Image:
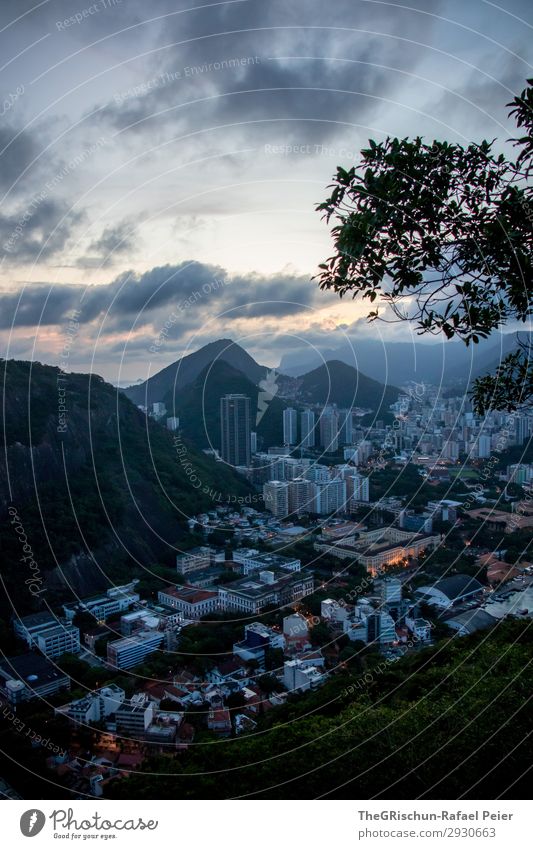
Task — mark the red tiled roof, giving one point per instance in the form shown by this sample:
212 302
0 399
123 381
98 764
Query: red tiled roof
190 595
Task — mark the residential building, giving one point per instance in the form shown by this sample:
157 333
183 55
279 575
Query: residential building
290 425
94 707
329 429
391 590
219 722
134 716
159 410
330 497
381 628
235 429
345 427
257 638
358 489
301 496
307 424
276 498
332 611
420 628
298 677
173 423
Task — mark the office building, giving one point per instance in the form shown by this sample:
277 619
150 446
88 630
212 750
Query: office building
115 600
235 430
29 627
30 676
195 560
123 654
58 640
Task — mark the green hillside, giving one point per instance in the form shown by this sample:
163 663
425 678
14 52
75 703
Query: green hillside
445 723
101 493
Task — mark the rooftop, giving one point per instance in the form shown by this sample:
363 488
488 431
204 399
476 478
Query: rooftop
191 595
34 619
31 668
456 586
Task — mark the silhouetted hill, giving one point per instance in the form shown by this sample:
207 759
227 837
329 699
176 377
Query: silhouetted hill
184 371
442 362
336 382
198 406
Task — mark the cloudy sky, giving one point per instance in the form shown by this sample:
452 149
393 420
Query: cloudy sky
160 162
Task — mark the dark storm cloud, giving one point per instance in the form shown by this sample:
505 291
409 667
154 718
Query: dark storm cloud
484 95
38 304
275 61
193 291
38 229
114 242
18 148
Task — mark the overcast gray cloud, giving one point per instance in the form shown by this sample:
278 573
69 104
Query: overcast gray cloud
133 300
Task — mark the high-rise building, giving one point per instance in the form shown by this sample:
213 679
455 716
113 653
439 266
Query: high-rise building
290 424
235 429
345 427
317 473
391 590
364 450
381 629
301 495
483 447
276 498
359 488
522 429
307 421
253 442
329 429
330 497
